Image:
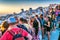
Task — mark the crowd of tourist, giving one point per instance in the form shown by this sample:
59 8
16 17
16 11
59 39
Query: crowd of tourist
15 28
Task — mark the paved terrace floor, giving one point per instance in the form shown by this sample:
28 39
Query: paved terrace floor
54 35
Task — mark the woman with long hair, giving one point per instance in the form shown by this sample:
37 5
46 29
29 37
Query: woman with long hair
47 25
5 26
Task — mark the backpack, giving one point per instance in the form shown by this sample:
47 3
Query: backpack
23 27
35 24
16 36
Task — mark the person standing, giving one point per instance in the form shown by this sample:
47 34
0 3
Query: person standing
13 30
47 25
36 26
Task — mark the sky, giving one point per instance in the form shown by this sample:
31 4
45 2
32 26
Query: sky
10 6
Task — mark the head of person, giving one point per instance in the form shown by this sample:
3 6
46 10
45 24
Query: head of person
17 20
36 16
41 15
5 25
33 18
52 9
11 21
21 21
45 18
58 7
25 21
48 19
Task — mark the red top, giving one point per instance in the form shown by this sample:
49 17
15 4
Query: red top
8 36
